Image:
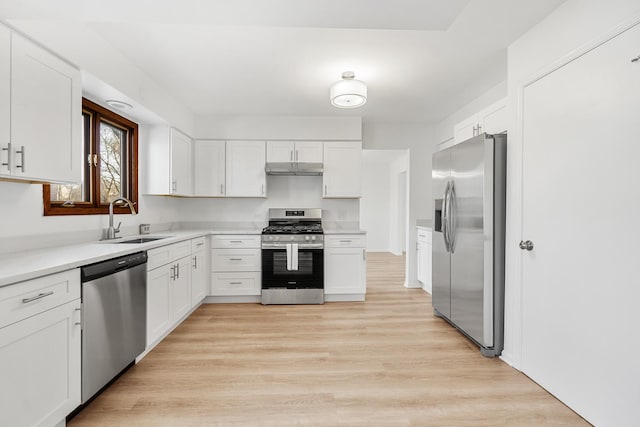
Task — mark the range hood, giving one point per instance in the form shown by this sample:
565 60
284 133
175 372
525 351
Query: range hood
295 168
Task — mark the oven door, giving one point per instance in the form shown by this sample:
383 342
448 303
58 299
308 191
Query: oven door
278 270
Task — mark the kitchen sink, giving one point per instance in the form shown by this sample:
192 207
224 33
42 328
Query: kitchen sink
141 239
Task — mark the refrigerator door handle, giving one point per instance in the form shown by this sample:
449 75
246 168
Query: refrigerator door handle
451 212
445 216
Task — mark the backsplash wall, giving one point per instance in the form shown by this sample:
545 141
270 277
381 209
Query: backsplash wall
22 206
282 192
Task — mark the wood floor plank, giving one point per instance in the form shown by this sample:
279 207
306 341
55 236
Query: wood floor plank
385 362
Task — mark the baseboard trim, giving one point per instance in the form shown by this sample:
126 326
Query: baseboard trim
236 299
344 298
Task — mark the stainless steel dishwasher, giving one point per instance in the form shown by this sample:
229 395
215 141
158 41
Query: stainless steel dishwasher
114 313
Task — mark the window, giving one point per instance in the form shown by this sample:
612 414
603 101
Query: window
110 169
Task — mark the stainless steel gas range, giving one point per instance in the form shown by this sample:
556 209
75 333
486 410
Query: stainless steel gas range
293 257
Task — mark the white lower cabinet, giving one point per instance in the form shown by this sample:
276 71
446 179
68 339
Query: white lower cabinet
236 283
158 302
181 289
40 354
198 270
236 263
168 288
423 257
345 262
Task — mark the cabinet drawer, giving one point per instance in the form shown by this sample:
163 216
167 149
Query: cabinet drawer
344 241
235 260
198 244
166 254
35 296
226 284
424 236
229 241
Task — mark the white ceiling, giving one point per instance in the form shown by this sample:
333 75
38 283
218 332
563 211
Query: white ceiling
421 59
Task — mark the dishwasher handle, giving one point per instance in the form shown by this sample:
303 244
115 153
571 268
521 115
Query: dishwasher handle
111 266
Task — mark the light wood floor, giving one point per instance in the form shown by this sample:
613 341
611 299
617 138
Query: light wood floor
385 362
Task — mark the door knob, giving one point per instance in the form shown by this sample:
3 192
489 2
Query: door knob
526 245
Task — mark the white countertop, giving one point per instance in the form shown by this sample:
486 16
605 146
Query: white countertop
342 227
344 231
20 266
424 223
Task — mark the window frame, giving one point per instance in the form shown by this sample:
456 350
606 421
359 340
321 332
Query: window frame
91 174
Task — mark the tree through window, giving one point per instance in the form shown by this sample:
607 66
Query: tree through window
110 147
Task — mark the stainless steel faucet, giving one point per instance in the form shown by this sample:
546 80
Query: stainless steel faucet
110 233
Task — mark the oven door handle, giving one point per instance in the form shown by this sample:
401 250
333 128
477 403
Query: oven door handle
294 256
289 257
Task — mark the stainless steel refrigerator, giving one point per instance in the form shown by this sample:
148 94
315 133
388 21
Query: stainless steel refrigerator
469 183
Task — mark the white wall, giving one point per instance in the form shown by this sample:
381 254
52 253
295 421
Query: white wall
279 127
282 192
379 202
375 203
574 24
419 140
21 212
116 74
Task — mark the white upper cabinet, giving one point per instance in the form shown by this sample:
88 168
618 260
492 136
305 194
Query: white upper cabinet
493 119
294 151
280 151
168 162
342 176
180 163
245 169
309 152
45 114
209 168
5 99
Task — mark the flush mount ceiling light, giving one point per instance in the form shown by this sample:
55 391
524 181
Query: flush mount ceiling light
348 92
120 105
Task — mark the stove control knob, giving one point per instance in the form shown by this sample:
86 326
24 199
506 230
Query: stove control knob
313 237
307 238
291 238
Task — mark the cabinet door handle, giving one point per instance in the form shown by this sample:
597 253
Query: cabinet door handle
364 255
173 272
263 189
235 241
325 189
235 259
291 155
37 297
195 261
22 154
174 186
221 189
235 283
8 150
346 241
79 323
177 271
296 155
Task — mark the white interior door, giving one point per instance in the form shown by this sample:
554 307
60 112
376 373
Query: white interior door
581 199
